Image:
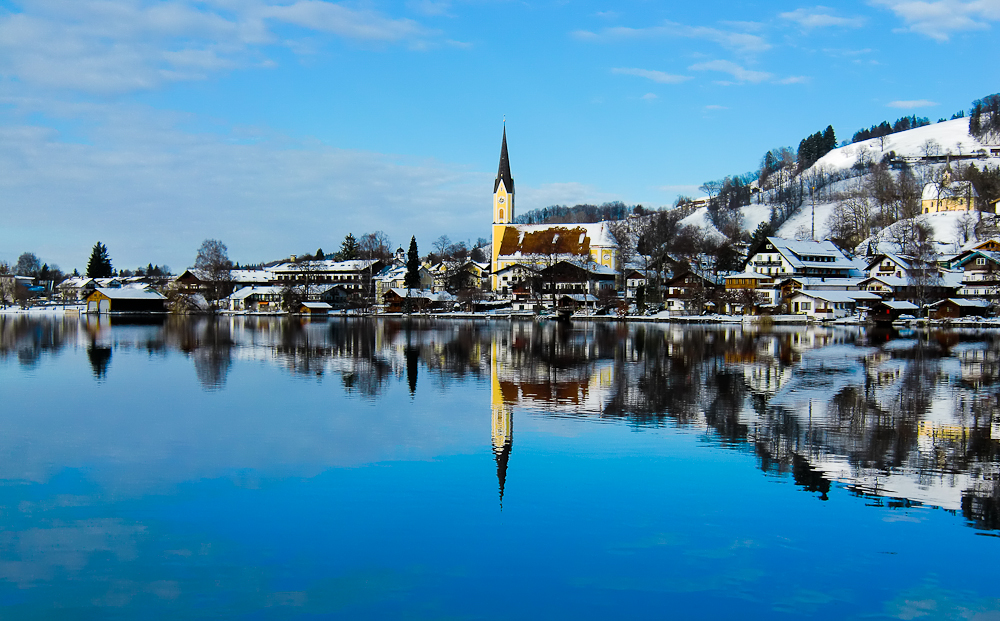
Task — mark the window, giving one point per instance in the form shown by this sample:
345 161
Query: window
981 261
805 306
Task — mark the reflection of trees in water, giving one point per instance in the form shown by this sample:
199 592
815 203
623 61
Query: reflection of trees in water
209 343
100 358
29 338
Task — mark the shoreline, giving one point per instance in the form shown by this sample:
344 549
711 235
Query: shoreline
992 323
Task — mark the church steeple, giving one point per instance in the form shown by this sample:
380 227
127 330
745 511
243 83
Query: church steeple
503 190
503 173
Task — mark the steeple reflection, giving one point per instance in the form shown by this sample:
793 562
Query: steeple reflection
502 416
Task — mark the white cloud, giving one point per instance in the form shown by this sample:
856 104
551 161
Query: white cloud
650 96
650 74
739 41
793 79
911 104
820 17
739 73
938 19
345 22
113 47
715 107
152 192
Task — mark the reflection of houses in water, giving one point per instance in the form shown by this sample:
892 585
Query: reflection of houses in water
903 421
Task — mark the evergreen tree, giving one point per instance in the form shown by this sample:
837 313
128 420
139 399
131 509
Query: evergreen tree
99 265
320 255
348 248
829 140
412 278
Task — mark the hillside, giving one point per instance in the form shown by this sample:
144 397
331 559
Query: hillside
925 150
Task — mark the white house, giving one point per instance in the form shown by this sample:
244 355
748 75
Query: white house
788 257
826 305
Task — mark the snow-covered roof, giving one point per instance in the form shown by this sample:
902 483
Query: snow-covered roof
964 302
255 276
572 239
992 255
246 292
754 275
130 294
900 305
440 296
953 190
316 305
898 259
838 296
76 282
819 282
579 297
354 265
811 254
891 281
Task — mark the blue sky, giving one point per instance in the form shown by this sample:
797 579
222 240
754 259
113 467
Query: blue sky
278 126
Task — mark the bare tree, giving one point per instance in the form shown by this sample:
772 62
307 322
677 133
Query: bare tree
711 188
965 227
213 262
923 275
375 245
850 222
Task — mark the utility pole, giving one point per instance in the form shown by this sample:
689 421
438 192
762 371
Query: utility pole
812 193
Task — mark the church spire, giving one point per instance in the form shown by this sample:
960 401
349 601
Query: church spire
504 171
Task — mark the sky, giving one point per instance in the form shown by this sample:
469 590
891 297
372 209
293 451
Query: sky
279 126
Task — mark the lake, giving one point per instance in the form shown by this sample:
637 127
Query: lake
270 468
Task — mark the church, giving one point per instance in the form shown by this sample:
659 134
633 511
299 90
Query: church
541 245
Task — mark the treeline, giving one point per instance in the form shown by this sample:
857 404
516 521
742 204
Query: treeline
816 146
984 118
884 128
580 214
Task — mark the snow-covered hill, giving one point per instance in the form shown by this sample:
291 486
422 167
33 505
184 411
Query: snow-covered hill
914 145
946 137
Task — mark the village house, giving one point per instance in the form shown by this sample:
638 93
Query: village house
265 299
885 311
958 308
888 264
749 290
633 280
125 300
76 288
949 196
689 293
397 300
394 277
787 257
314 309
355 275
981 274
827 305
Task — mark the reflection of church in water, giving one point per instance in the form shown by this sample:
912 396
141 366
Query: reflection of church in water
503 422
520 377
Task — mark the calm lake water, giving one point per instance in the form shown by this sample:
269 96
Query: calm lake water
378 469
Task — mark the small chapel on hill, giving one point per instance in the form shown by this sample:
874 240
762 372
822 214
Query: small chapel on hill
537 246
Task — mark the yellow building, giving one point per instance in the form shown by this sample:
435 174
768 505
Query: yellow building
541 245
949 196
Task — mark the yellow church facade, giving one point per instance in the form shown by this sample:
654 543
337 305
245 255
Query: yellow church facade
541 245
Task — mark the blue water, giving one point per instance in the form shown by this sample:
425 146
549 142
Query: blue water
268 469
